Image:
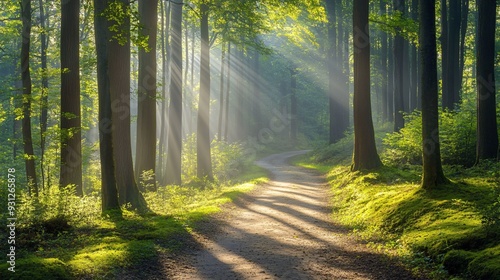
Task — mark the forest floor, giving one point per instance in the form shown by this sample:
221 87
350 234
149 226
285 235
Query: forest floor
281 230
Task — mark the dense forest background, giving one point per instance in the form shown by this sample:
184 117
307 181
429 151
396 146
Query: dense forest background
116 104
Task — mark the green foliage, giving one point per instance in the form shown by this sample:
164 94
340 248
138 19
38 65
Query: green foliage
457 133
227 159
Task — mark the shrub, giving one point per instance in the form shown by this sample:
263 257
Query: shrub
457 132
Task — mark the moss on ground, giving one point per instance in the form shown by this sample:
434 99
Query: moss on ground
439 231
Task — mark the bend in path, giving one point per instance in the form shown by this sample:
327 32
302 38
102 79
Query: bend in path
284 231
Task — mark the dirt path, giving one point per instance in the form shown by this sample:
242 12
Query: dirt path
282 231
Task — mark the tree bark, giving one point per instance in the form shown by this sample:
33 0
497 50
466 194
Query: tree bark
29 156
146 115
44 90
108 180
228 84
293 107
451 98
175 107
444 54
119 86
432 169
71 146
204 168
365 154
399 89
383 65
487 129
221 93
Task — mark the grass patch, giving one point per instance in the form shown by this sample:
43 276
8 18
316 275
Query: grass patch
439 232
108 244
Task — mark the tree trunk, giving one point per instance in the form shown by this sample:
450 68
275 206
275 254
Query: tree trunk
444 53
399 89
160 169
175 106
26 83
71 146
204 168
463 34
333 75
146 114
44 91
383 65
228 84
432 170
256 97
390 82
108 180
119 86
414 64
365 154
451 98
293 107
221 93
487 129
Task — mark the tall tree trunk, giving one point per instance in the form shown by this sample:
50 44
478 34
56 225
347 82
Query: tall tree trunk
108 180
487 129
333 73
119 86
414 63
390 82
432 170
44 91
444 54
160 173
146 115
463 34
228 84
256 97
204 168
26 83
71 143
399 90
293 107
383 65
451 98
221 93
343 62
365 154
175 106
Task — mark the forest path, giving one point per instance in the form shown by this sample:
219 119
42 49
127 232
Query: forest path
282 230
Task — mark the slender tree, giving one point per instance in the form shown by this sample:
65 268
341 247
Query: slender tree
383 64
451 96
29 156
146 115
228 84
221 92
204 167
398 50
365 154
175 107
293 107
71 143
432 169
119 86
487 129
108 180
45 86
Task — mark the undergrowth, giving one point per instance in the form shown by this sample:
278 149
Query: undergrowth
451 232
63 236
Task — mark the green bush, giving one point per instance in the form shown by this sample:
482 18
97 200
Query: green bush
457 135
227 159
